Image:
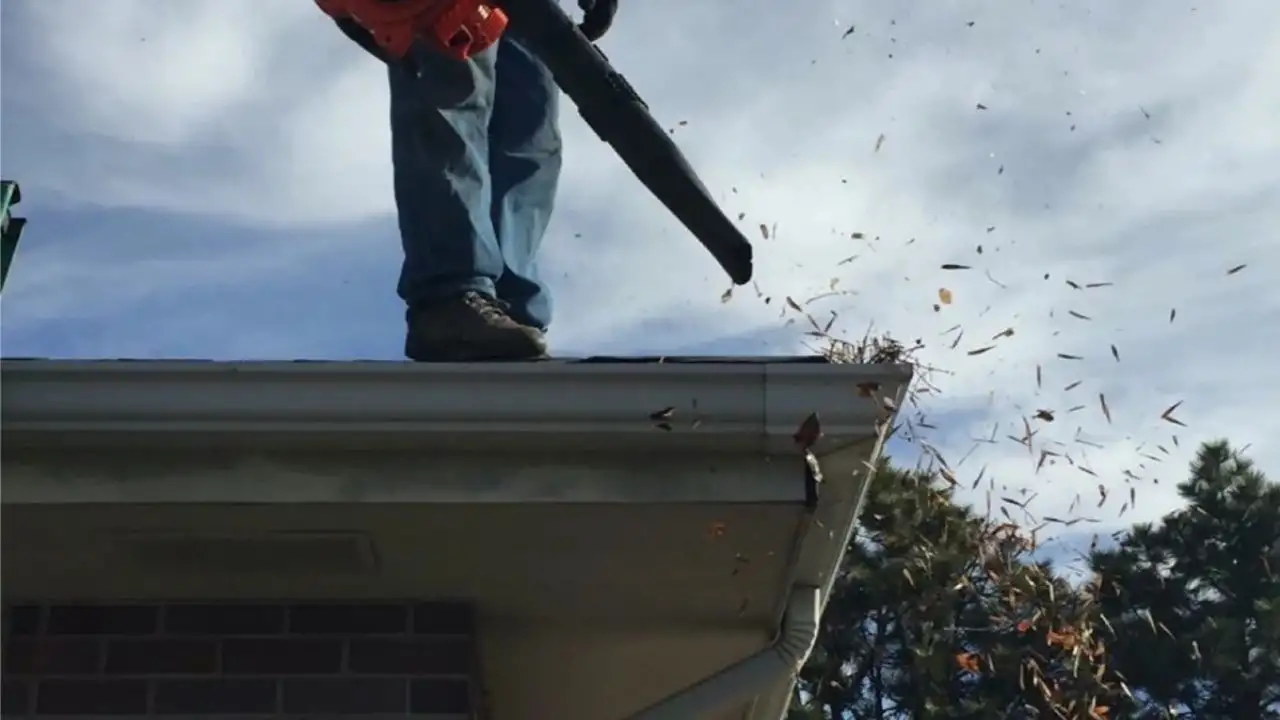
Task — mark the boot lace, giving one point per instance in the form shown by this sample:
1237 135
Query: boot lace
487 307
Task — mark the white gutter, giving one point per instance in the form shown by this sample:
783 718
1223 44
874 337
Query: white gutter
554 406
778 663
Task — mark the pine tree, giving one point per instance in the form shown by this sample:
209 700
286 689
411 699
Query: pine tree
1193 603
939 613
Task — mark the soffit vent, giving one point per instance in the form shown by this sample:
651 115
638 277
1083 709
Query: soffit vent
278 553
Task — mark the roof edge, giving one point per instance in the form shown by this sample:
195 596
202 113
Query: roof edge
709 406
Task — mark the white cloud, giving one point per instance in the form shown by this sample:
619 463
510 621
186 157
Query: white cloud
1131 143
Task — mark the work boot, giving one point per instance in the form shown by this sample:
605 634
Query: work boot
469 327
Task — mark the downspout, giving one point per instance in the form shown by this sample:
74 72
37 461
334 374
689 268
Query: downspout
750 677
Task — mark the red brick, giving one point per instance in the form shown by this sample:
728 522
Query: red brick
281 656
53 656
444 618
348 619
91 697
410 656
440 696
102 620
338 695
224 619
161 656
259 659
22 619
215 697
15 698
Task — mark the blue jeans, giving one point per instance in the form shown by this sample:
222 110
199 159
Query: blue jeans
476 153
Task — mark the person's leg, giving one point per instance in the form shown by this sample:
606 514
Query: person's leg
524 164
440 155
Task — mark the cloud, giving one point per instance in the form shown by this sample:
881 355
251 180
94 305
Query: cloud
237 153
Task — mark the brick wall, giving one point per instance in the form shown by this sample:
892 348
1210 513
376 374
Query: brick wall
231 658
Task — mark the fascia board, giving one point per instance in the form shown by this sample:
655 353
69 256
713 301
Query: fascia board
741 407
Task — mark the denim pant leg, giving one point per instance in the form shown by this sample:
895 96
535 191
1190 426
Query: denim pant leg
524 164
440 157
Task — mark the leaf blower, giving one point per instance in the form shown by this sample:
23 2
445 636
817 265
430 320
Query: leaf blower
606 101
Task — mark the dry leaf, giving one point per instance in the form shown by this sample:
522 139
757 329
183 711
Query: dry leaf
949 476
1167 415
944 296
1065 639
968 662
809 432
664 414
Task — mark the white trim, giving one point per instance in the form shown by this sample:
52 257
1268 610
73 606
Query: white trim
553 406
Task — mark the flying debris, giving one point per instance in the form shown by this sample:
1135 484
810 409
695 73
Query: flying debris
1167 415
809 432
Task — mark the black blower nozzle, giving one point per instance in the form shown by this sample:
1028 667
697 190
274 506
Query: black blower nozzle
612 108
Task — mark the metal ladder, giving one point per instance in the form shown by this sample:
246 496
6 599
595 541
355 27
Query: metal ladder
10 227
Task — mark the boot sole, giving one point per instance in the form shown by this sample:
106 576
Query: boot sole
475 359
462 355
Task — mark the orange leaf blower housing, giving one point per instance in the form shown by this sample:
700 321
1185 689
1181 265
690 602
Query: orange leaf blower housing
456 28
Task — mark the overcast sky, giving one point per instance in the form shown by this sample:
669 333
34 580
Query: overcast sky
210 179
